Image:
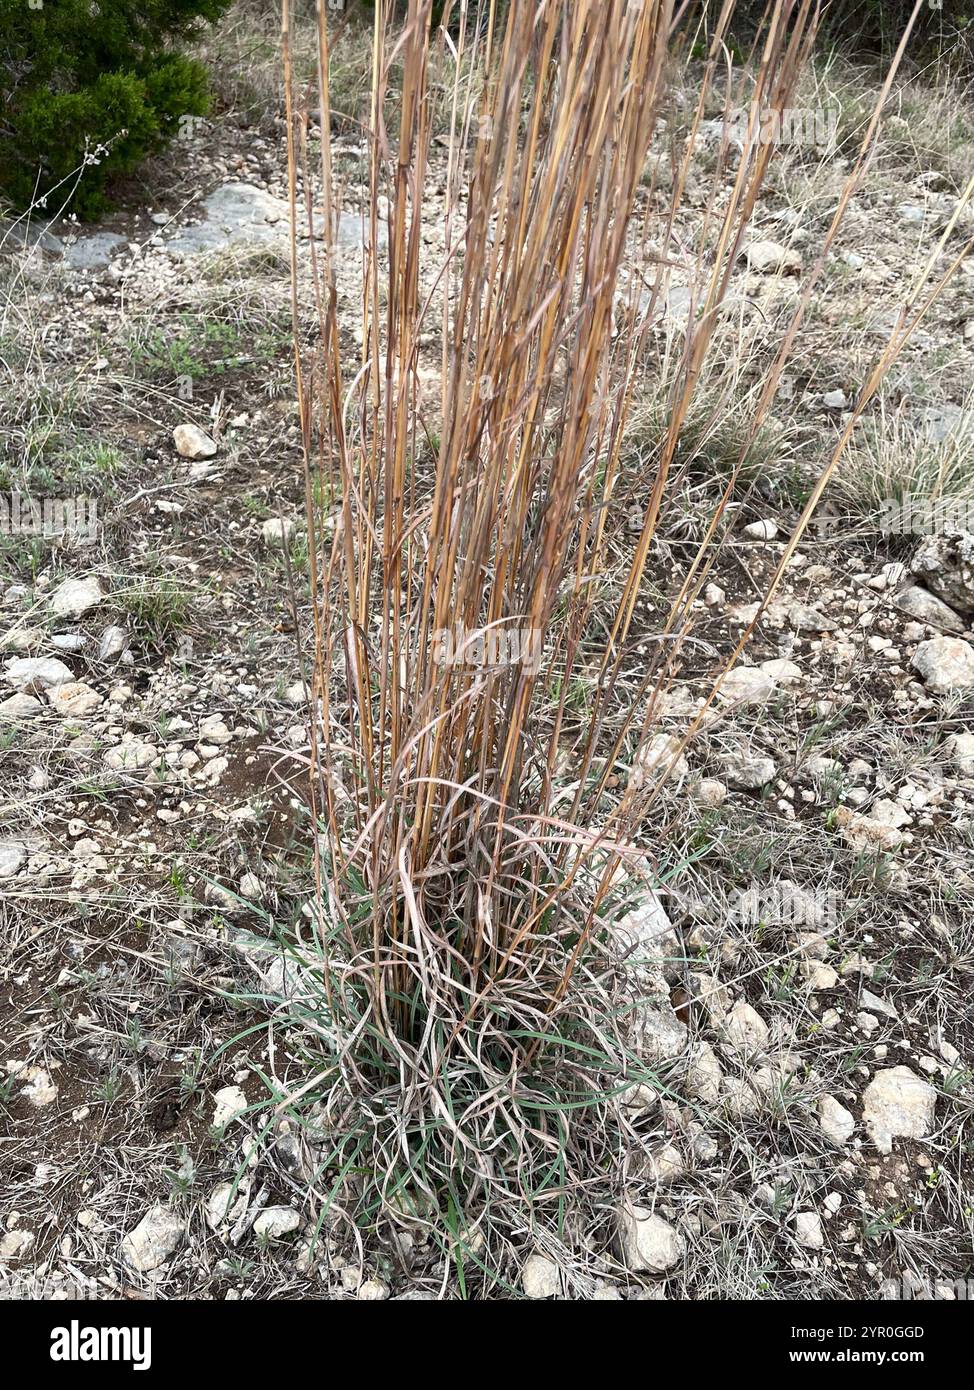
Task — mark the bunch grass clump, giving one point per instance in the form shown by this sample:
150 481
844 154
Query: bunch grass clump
483 691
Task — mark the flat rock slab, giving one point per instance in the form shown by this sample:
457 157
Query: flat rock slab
240 214
28 673
945 421
234 214
14 236
93 252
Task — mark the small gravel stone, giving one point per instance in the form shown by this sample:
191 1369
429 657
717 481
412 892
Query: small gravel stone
647 1243
961 749
898 1104
225 1205
837 1123
769 257
154 1240
277 531
711 793
745 1028
73 699
274 1223
228 1103
13 856
747 772
19 707
112 644
747 685
373 1291
540 1278
808 1230
39 1089
76 596
193 443
130 757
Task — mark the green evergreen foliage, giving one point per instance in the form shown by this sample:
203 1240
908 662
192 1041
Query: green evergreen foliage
93 82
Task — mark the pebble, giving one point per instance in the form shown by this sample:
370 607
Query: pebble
19 707
648 1244
225 1206
193 443
711 794
131 757
747 772
274 1223
769 257
13 856
228 1103
945 663
808 1230
745 1028
39 1089
73 699
75 597
748 685
961 750
373 1291
113 642
837 1123
540 1277
277 531
154 1240
898 1104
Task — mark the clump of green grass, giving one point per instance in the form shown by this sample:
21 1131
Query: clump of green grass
22 557
159 608
207 346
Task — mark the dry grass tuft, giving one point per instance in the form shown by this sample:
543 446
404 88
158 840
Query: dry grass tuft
479 706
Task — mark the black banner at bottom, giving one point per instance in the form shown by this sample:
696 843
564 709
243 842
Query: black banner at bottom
144 1338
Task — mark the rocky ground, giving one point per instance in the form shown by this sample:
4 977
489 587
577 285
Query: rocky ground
808 953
